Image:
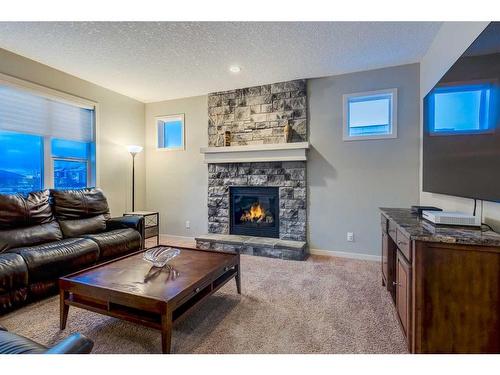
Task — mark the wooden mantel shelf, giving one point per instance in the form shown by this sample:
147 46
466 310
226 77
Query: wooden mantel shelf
296 151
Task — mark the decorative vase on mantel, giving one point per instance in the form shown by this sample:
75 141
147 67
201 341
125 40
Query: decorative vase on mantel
227 138
287 132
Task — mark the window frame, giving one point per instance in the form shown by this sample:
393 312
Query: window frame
93 175
393 92
165 118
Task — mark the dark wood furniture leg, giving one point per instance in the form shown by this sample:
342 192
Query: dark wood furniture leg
166 332
63 309
238 279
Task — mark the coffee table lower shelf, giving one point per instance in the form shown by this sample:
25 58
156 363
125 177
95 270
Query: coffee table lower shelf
155 315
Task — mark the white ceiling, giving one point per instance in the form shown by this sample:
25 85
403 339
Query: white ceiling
154 61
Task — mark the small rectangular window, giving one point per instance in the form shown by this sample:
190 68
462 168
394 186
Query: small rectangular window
370 115
170 132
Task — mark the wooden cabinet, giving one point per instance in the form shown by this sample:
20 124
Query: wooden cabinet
389 251
457 298
403 292
392 229
446 295
385 264
396 272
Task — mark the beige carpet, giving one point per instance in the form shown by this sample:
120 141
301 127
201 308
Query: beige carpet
323 305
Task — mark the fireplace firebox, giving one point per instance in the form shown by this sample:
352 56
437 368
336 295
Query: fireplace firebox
254 211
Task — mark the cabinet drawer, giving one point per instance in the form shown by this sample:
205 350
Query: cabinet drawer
392 229
383 223
150 232
404 244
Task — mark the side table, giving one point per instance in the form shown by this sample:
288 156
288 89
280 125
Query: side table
151 224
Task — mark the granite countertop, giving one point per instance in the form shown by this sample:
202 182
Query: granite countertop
419 229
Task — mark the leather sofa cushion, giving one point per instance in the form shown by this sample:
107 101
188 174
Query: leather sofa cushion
13 272
18 211
29 236
56 259
13 299
79 204
42 289
77 227
116 242
10 343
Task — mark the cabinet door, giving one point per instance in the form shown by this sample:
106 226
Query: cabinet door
403 291
385 257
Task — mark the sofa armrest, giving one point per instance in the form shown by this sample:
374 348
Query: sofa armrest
134 222
74 344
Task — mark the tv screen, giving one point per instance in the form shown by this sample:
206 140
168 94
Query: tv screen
461 136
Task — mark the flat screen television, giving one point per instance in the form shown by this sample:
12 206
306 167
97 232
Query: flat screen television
461 135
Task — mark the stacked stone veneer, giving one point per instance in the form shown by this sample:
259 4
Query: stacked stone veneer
290 177
257 115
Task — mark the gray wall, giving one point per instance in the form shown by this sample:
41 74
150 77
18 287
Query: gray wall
177 180
348 181
451 41
121 123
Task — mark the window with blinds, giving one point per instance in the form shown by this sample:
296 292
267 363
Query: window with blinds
44 143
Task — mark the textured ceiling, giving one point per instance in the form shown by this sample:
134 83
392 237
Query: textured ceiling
153 61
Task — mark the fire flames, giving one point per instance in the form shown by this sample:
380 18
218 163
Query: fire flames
256 214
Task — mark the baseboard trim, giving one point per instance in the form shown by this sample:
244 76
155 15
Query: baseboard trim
328 253
175 237
343 254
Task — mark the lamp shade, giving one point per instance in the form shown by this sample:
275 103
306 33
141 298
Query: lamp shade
133 149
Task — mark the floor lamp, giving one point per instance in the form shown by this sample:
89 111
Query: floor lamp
134 150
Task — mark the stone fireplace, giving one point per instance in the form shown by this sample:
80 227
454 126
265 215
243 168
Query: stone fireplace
257 187
287 178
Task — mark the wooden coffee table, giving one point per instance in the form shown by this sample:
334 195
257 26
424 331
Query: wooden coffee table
129 288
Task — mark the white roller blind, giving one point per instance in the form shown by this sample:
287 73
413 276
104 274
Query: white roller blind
25 112
369 111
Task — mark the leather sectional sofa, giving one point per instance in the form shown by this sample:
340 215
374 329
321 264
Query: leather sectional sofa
48 234
10 343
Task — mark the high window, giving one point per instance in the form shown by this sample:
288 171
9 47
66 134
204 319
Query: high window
45 141
170 132
370 115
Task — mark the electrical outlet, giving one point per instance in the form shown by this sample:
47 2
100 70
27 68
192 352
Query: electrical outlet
188 224
350 236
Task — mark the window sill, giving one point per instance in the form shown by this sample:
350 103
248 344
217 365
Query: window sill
369 137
